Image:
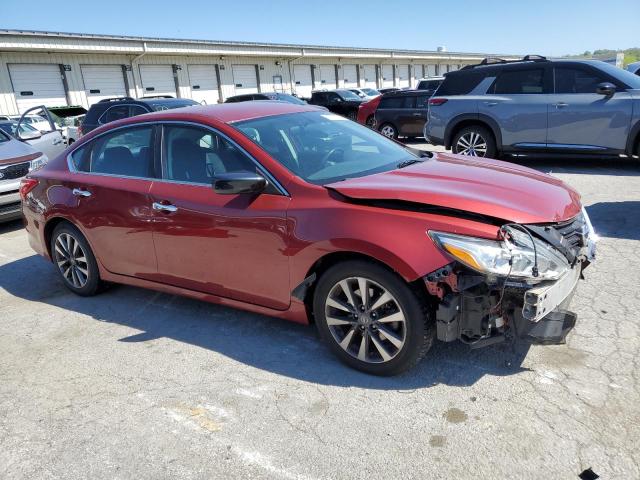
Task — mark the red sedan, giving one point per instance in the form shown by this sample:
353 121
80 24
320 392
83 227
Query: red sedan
367 111
298 213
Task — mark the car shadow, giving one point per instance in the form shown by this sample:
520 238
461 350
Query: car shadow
281 347
616 219
11 226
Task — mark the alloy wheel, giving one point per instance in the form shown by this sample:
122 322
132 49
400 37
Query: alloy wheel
472 144
71 260
388 131
365 320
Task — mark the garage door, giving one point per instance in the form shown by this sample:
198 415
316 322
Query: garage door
432 70
328 76
204 84
403 76
453 67
103 81
350 76
157 80
370 79
244 79
302 79
418 71
387 76
37 84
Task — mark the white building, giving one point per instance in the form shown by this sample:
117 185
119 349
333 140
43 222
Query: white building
55 69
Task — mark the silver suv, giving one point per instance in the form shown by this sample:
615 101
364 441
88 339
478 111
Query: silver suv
537 105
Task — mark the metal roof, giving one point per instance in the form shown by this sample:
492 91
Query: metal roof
92 36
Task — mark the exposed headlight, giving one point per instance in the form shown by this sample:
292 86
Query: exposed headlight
515 257
38 162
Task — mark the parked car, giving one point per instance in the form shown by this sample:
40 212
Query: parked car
17 159
402 113
36 121
535 105
288 211
72 129
365 93
111 109
634 68
430 85
367 110
388 90
343 102
283 97
46 139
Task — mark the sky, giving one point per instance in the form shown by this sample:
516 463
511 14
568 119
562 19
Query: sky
542 27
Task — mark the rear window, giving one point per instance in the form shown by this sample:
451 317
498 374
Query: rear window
396 102
520 82
460 84
158 106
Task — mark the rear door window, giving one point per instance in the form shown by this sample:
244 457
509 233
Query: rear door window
575 80
127 152
397 102
525 81
460 83
422 101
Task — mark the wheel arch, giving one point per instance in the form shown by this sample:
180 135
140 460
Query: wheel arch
49 227
633 141
305 291
466 120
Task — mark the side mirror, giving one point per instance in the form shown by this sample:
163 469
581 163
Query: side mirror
605 88
24 136
234 183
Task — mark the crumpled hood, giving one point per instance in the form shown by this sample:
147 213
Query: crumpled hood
486 187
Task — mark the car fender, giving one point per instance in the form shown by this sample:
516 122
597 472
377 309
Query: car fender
480 117
633 137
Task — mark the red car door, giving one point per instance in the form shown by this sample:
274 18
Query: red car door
111 189
228 245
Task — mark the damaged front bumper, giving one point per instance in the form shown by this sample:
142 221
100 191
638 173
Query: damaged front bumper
482 309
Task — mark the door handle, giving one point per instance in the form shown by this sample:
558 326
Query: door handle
560 105
491 104
81 193
57 141
417 114
161 207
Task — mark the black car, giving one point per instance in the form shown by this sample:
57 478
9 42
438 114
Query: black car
430 85
283 97
111 109
343 102
402 113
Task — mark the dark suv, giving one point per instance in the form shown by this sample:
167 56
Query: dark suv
111 109
341 101
402 113
430 84
282 97
535 105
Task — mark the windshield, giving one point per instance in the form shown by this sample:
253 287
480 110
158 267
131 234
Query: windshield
158 106
322 147
623 75
347 95
370 91
283 97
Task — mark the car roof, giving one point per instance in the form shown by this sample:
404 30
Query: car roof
223 112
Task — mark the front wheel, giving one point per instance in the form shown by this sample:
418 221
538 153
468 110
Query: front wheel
389 131
371 318
474 141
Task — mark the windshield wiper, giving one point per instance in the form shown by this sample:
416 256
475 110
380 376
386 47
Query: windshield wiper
408 162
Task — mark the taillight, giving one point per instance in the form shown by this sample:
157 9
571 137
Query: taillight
26 185
434 102
79 132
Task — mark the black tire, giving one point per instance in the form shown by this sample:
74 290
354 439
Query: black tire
418 326
389 130
485 134
92 283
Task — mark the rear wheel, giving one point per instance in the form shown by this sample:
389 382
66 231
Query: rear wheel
371 318
75 261
474 141
389 130
371 121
